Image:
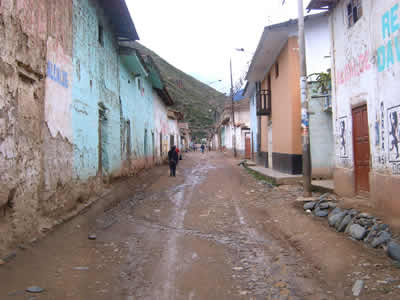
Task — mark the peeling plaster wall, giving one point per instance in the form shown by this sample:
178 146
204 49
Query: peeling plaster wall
137 107
55 194
367 70
96 84
23 31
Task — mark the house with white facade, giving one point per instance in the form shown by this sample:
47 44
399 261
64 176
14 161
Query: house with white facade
228 133
365 42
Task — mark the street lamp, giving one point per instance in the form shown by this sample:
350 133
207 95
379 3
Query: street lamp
219 80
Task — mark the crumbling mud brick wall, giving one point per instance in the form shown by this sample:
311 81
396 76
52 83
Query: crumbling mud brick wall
60 192
63 113
23 32
37 186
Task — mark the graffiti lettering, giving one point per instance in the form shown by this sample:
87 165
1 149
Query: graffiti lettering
56 74
354 68
387 52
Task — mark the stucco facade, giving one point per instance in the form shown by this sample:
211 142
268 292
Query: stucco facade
366 59
274 77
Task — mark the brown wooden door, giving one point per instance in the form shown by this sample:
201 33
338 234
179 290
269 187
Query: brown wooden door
361 148
248 147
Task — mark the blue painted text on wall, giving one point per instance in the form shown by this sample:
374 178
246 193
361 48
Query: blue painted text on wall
57 74
389 53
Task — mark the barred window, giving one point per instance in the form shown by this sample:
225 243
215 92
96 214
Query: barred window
354 12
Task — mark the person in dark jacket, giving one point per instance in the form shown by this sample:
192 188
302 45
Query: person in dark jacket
173 159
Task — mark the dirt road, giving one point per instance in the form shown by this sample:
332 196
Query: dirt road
196 236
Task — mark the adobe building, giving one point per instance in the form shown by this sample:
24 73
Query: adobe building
365 51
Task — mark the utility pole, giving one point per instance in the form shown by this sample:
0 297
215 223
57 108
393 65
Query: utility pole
233 115
305 136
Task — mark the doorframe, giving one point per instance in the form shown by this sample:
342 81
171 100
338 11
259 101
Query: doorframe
354 107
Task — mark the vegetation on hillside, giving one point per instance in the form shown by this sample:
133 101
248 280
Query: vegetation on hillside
195 99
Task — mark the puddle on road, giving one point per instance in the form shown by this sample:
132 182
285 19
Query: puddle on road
180 196
260 266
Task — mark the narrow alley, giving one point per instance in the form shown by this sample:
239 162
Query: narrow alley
201 235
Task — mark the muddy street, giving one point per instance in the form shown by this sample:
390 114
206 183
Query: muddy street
196 236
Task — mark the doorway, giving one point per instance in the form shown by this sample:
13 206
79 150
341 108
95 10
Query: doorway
247 146
145 143
161 146
103 163
153 146
361 148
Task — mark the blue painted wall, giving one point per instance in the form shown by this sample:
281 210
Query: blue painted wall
137 106
95 80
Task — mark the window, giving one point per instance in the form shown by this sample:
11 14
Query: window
276 70
101 35
354 12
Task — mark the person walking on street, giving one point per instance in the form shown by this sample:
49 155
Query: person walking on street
202 148
173 159
177 152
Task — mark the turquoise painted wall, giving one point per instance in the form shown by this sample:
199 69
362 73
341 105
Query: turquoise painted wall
95 80
137 106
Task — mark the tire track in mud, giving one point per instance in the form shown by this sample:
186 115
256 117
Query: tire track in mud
180 196
262 268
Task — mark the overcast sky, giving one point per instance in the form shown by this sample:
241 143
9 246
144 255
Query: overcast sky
199 37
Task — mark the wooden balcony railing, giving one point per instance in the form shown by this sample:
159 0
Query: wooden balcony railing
263 102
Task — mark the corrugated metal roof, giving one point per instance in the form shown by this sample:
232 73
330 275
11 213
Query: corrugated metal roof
120 18
238 95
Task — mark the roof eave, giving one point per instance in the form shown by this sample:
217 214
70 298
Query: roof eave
322 4
121 19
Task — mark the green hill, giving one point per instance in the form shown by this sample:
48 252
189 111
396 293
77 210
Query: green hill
195 99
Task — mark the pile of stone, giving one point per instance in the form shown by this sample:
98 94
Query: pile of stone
358 225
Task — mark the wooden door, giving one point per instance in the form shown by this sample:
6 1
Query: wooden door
247 147
361 148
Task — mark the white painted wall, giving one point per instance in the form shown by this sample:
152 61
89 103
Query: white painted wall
173 129
161 124
361 74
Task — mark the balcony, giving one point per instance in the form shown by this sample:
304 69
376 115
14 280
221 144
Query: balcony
263 102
